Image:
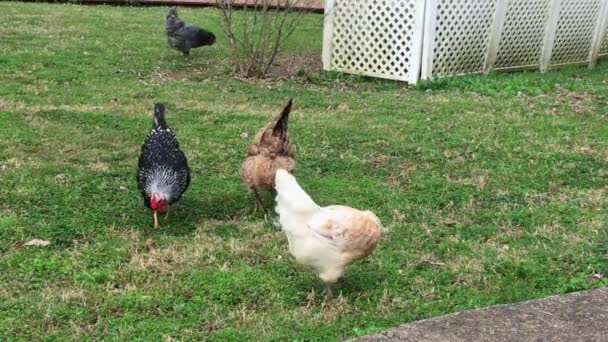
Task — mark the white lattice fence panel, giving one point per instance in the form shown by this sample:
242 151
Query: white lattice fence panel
575 27
379 38
522 36
402 39
461 34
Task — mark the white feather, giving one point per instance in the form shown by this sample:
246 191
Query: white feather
326 238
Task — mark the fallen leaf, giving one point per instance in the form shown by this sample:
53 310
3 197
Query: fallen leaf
585 150
596 277
38 243
61 179
344 107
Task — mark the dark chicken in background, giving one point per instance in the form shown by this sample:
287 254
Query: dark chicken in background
163 172
183 37
270 150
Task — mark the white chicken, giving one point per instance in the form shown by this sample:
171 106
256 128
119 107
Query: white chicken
326 238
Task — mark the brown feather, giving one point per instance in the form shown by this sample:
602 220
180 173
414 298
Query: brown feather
364 235
270 150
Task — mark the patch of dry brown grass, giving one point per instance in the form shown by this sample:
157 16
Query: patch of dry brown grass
594 198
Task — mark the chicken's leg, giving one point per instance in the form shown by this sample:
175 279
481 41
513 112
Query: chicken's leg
167 214
328 293
156 225
259 207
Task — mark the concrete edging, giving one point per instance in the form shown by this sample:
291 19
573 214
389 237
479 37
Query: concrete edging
580 316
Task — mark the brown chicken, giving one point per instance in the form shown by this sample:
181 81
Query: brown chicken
269 151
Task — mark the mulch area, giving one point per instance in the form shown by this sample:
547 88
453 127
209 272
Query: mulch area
311 5
296 65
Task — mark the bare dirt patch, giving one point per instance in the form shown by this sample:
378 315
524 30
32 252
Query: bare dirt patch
296 64
286 66
579 102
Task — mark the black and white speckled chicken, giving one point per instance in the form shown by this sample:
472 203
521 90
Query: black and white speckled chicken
163 173
183 37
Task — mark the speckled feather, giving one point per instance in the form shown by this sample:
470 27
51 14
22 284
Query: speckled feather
162 166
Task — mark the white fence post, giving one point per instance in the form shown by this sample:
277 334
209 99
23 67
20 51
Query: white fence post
598 34
496 34
603 50
428 40
328 32
418 38
550 32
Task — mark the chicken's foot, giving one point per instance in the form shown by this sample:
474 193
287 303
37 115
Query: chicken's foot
167 214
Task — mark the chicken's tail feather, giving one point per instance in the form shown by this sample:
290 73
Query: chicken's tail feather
290 195
159 116
205 38
280 128
172 12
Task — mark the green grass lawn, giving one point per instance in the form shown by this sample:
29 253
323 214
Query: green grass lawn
492 188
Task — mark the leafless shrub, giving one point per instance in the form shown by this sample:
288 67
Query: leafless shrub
257 33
